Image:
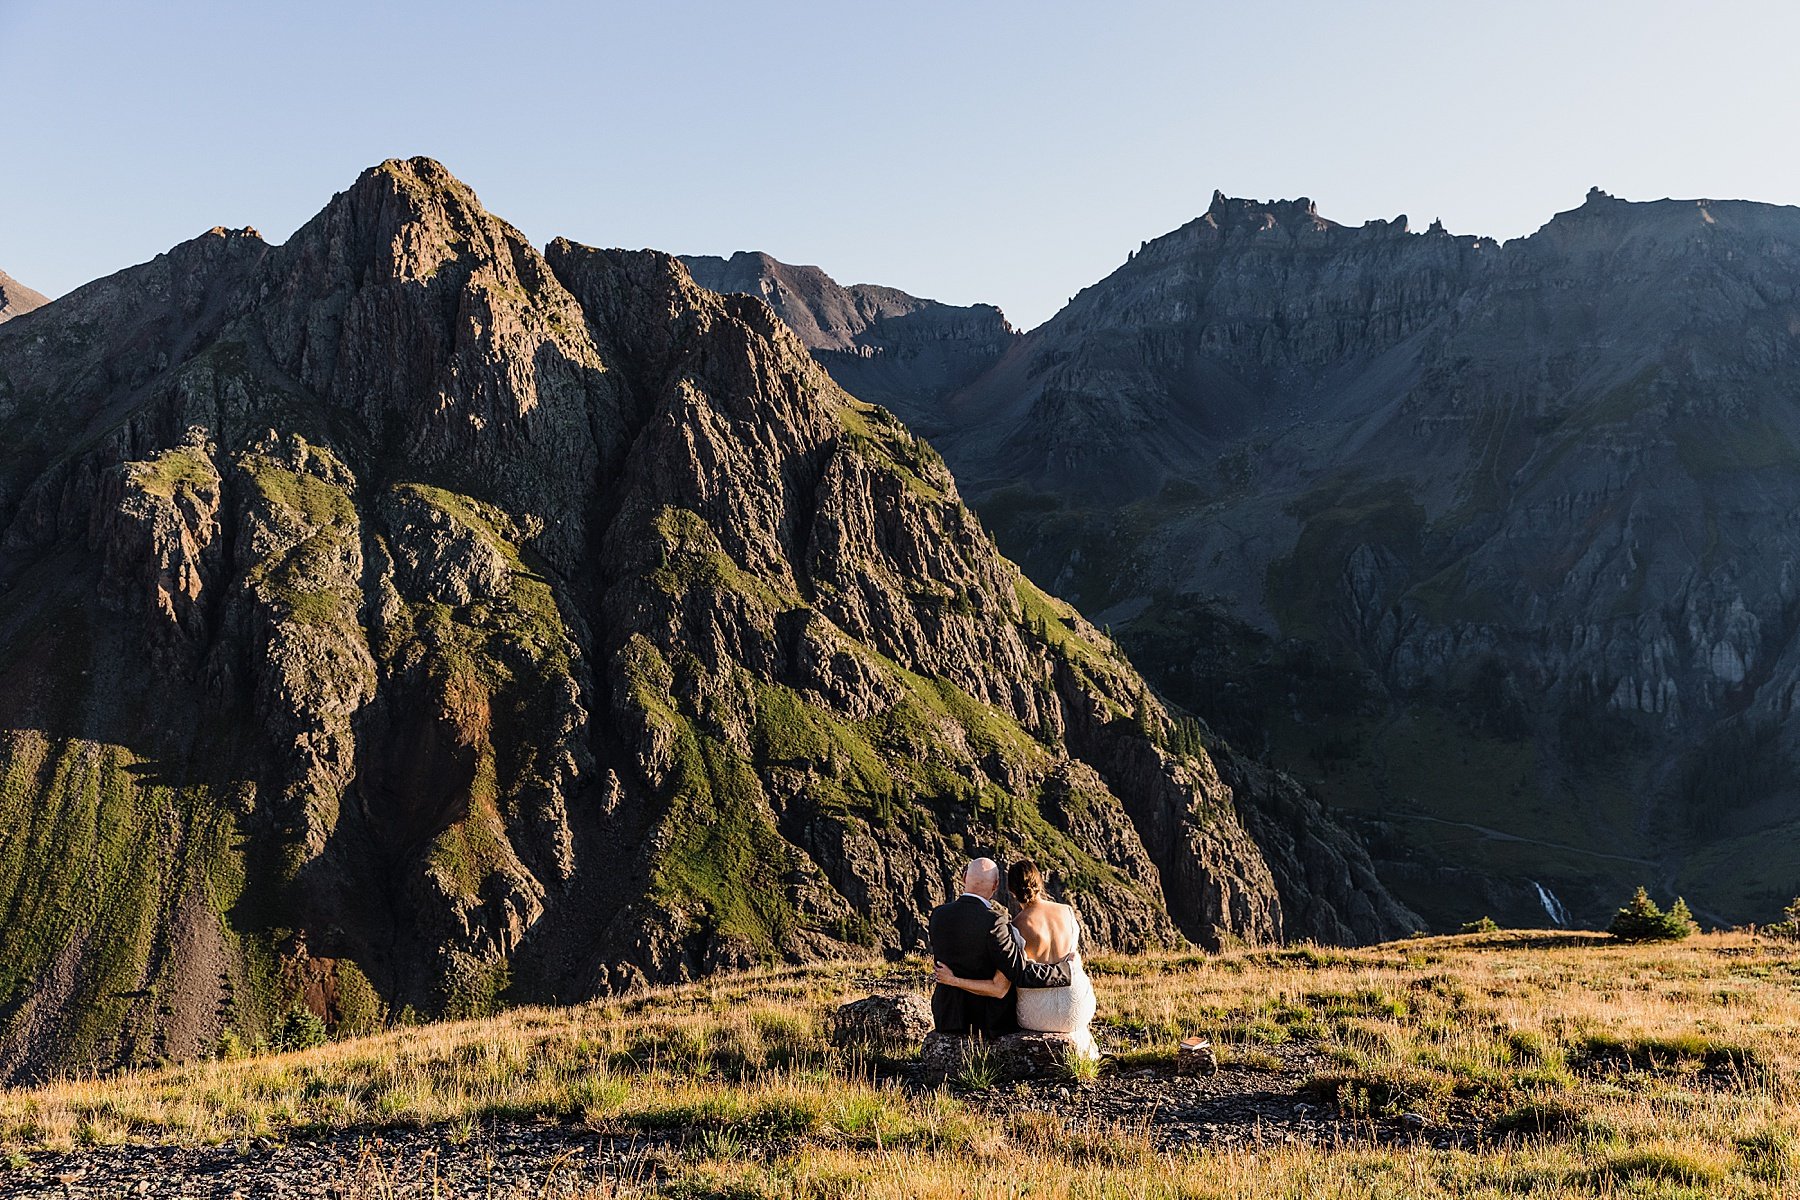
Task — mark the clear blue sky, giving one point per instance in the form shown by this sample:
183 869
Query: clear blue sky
971 150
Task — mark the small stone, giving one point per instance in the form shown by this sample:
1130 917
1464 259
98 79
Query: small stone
1196 1057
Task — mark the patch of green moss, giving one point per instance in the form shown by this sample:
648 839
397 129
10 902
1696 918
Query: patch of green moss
1055 622
494 637
723 854
880 766
693 560
880 438
490 521
467 851
308 497
291 581
185 467
917 719
792 732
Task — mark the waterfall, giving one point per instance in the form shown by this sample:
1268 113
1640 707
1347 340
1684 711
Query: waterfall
1552 906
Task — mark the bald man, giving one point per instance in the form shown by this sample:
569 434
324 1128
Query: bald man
973 937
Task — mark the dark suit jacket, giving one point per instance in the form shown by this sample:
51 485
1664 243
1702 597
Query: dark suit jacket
974 940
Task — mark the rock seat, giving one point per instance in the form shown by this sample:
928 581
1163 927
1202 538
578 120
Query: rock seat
1008 1059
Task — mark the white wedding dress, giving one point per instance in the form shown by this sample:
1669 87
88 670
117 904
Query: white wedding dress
1068 1011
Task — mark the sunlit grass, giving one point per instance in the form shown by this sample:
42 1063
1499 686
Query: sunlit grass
1566 1066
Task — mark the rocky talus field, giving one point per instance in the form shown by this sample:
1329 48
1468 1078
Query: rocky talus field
1489 544
1501 1064
403 622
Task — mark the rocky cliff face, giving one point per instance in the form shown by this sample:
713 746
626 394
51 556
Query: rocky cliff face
1500 534
402 617
16 299
879 343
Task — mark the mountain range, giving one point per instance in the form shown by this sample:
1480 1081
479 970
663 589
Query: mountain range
1493 544
407 620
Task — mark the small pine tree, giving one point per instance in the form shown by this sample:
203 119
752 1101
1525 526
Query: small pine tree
300 1028
1642 921
1679 921
1485 925
1789 929
1146 722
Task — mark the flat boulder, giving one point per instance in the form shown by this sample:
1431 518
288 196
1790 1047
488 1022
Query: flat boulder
1008 1059
885 1023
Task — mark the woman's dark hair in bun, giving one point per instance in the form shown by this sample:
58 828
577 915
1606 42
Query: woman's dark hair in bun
1025 881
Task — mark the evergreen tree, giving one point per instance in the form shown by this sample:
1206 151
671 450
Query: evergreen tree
1642 921
300 1028
1790 927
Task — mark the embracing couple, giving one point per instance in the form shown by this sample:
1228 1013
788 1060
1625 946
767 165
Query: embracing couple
997 976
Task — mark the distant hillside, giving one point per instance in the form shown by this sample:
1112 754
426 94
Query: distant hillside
879 343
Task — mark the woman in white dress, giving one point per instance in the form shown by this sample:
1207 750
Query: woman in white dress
1048 932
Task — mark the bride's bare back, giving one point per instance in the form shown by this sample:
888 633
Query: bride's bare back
1050 930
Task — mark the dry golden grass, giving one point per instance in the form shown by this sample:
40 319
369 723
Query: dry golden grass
1571 1066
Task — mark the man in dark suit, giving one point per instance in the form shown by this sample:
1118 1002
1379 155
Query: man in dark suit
973 937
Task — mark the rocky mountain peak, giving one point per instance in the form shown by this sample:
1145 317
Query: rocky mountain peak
404 219
1603 223
16 299
1227 212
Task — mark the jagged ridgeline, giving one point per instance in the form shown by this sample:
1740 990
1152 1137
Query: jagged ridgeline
403 618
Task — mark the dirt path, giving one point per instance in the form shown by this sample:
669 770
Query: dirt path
1500 835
